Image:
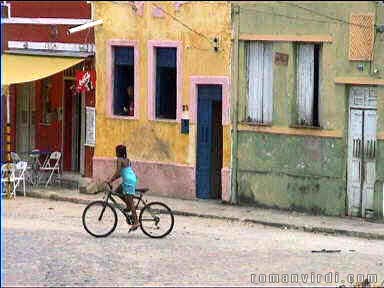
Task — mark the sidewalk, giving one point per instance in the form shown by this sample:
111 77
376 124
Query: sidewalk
354 227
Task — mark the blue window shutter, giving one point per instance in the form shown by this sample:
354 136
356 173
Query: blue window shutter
124 55
166 57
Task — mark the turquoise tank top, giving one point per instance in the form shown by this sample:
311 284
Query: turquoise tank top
129 180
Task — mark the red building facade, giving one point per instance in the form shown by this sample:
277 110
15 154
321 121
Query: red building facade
49 114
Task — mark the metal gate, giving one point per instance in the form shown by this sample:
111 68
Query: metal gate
25 119
361 151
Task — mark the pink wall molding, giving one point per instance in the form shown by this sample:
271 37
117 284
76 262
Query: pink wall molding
110 76
225 184
178 4
152 44
163 179
220 80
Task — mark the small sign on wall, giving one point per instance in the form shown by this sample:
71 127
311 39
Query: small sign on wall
281 59
85 80
185 120
90 124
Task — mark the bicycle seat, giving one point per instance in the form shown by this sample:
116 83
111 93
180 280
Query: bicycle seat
142 190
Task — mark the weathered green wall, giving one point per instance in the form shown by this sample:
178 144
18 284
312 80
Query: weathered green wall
303 172
296 172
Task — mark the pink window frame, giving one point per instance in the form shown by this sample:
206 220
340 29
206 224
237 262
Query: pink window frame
110 76
152 44
225 102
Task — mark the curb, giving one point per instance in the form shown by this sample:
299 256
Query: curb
313 229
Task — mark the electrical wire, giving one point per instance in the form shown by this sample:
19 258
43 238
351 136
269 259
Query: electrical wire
177 20
249 10
182 23
371 62
325 15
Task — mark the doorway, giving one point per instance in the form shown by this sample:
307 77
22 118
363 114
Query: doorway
361 151
72 127
25 119
209 142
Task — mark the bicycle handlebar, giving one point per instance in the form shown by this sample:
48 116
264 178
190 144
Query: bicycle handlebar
109 185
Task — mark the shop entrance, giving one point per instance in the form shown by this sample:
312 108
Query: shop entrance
72 127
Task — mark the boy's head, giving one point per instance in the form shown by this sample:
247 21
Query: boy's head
121 151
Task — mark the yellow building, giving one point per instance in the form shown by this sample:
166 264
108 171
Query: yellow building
163 90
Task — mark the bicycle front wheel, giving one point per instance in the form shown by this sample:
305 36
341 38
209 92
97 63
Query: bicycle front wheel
156 220
99 219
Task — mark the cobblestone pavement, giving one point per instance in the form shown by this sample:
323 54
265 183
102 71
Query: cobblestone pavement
46 245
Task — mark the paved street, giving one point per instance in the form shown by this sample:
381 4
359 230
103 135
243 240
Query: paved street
46 245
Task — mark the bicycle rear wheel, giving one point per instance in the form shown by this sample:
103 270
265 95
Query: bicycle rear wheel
156 220
99 219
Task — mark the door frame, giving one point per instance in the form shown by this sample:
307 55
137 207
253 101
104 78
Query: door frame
81 128
225 120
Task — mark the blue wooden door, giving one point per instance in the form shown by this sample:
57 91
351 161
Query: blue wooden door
206 95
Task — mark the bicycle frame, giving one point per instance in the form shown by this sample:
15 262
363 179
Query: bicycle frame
108 197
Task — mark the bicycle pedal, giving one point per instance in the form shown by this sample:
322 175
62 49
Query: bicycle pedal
132 229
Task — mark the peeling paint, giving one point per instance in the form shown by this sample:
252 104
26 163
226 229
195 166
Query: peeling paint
299 171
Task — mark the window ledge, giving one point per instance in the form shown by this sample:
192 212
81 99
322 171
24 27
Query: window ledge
123 117
296 126
45 124
176 121
256 124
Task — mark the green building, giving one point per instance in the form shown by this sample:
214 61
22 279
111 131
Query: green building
308 106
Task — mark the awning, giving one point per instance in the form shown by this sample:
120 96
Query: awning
27 68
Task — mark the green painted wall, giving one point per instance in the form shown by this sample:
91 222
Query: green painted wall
296 172
306 173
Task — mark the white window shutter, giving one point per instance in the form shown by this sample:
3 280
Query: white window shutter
255 80
267 84
305 78
260 71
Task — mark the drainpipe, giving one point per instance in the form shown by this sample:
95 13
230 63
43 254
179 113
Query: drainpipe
8 123
235 94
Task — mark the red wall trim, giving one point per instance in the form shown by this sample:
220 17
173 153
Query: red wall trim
56 9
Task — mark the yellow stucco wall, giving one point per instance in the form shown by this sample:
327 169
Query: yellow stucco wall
155 140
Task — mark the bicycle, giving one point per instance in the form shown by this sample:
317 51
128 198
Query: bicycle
105 213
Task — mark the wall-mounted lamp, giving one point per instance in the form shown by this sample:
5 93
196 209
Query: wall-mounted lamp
360 67
216 44
380 28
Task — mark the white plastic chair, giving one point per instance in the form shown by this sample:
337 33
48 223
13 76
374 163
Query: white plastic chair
20 168
51 168
8 179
